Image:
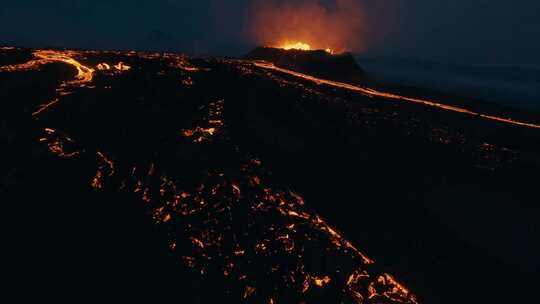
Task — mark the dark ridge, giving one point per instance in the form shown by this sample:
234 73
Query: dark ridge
339 67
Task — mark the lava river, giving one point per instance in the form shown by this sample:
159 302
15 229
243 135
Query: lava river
227 219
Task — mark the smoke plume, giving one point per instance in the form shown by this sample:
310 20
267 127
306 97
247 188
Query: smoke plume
340 25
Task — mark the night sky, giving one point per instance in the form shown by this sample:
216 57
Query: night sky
478 32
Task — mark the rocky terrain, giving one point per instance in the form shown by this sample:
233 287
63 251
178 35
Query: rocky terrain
133 175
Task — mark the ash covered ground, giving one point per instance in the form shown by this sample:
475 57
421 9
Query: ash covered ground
158 176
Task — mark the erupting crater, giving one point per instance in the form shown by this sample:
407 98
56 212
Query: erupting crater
295 46
299 57
300 46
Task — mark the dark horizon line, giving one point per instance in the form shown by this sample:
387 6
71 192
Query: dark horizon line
358 55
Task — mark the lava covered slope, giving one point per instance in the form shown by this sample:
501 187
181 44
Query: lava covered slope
313 62
239 165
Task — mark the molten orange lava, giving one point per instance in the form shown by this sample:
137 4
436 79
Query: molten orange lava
296 46
374 93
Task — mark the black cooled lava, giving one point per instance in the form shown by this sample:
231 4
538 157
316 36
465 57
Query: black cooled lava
204 180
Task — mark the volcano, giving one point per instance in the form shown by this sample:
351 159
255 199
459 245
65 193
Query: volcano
321 63
267 179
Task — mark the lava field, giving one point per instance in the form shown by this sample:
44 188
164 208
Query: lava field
199 180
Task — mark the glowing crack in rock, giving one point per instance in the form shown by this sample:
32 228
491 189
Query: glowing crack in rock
279 224
374 93
296 226
225 220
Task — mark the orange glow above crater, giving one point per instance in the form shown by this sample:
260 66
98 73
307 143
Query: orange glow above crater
308 25
300 46
295 46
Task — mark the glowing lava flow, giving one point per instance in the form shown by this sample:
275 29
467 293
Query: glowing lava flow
84 73
226 220
373 93
279 239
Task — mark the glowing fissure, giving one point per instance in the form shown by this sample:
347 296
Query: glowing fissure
374 93
213 243
212 200
170 203
85 74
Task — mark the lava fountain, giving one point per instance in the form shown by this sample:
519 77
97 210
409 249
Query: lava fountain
308 25
295 46
302 46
